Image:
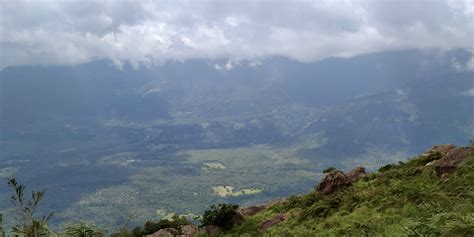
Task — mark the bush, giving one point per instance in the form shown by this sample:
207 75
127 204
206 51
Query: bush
221 216
82 230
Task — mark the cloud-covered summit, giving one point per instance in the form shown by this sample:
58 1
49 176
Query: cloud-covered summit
147 32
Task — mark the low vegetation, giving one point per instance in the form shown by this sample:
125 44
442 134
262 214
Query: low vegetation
405 199
82 229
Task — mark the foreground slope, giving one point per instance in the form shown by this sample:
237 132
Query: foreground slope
432 194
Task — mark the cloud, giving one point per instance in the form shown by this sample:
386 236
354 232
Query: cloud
148 32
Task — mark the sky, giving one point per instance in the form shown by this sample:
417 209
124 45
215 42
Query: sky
49 32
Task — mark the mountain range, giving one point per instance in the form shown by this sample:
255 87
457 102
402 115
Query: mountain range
153 135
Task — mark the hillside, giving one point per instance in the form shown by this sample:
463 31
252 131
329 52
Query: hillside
431 194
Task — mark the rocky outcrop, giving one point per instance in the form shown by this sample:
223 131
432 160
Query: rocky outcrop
273 221
167 232
190 230
355 174
451 160
252 210
336 179
185 231
441 148
331 182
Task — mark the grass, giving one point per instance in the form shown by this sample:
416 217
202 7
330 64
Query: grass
407 199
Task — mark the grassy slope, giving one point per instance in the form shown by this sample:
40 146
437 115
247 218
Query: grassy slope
407 199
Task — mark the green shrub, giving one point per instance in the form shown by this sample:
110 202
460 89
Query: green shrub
220 215
82 229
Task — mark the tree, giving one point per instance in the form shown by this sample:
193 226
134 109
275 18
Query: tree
27 224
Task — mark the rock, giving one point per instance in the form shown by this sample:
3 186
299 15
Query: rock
189 230
336 179
252 210
442 148
273 221
449 162
167 232
332 181
355 174
213 230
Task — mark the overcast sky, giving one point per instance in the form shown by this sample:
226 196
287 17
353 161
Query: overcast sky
147 32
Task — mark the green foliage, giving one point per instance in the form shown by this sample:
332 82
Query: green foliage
300 201
249 226
82 229
27 224
386 167
220 215
421 230
328 170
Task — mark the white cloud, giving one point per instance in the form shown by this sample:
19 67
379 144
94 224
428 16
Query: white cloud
147 32
469 92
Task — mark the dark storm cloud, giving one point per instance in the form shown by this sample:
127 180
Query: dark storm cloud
147 32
